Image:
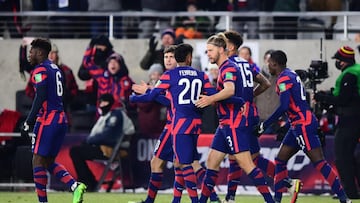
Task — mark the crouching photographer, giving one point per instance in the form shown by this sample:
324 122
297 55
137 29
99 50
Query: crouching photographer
346 99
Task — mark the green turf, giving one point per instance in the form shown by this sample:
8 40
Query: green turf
65 197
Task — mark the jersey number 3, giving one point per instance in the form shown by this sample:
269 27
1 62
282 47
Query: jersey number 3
191 87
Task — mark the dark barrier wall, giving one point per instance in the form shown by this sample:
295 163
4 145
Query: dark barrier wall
299 166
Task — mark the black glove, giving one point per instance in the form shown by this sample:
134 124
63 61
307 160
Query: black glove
152 43
26 128
259 129
320 96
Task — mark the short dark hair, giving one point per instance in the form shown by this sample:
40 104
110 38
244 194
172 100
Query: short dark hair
170 49
41 43
234 38
279 57
217 40
182 51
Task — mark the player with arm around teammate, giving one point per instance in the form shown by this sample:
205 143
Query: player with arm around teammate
231 136
49 120
302 133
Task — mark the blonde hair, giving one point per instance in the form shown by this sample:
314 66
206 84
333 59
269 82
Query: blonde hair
217 40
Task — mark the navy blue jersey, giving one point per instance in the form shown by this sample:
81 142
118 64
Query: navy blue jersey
48 74
184 86
292 99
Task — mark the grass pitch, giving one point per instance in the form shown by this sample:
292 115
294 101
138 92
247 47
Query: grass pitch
65 197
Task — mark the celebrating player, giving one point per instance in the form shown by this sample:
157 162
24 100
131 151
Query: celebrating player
184 85
232 135
249 75
302 133
48 116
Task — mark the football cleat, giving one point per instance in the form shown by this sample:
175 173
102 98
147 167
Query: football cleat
294 190
79 193
346 201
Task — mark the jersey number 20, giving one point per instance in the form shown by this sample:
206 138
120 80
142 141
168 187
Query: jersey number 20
193 87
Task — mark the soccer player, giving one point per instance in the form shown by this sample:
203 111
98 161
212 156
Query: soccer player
232 135
302 133
249 74
48 116
184 85
164 150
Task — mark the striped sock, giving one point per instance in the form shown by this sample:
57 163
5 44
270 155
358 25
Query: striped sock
40 180
200 178
258 178
265 165
190 182
208 185
281 173
200 175
154 185
62 174
233 179
179 185
326 170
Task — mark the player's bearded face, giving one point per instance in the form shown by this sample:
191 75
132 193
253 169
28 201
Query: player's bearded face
212 53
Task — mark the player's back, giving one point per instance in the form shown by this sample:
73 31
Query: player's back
187 84
288 80
50 75
247 77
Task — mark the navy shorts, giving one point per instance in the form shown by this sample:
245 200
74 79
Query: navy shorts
185 148
231 140
164 146
49 136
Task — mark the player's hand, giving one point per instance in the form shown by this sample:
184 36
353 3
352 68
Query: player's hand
26 128
203 101
259 129
140 88
152 43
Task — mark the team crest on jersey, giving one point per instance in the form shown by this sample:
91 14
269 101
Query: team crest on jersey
229 76
282 87
38 77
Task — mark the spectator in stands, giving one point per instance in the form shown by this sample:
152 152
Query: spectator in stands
67 26
13 23
106 132
286 27
152 111
99 49
99 24
326 22
192 27
245 53
247 25
147 24
154 55
114 80
131 23
71 87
